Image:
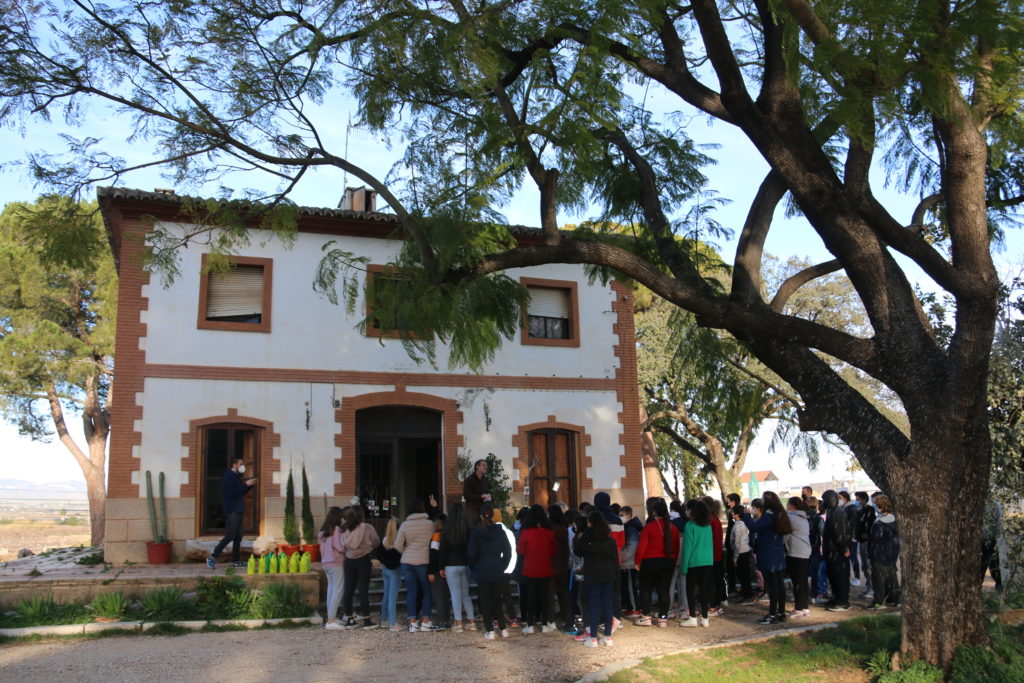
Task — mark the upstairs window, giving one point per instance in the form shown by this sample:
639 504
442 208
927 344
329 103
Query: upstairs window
382 287
552 316
237 299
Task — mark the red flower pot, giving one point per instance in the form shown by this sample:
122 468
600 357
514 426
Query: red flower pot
313 550
159 553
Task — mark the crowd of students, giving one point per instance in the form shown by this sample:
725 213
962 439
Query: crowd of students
582 571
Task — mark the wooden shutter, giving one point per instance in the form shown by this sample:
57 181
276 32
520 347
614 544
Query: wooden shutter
237 292
549 302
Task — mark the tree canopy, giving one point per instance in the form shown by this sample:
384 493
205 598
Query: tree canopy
58 305
494 95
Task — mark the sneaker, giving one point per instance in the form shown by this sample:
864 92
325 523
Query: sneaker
780 617
457 626
838 608
800 614
662 623
716 611
768 619
725 603
855 582
469 626
631 613
237 564
211 563
590 642
334 626
606 641
869 594
349 622
395 628
434 627
689 622
413 627
704 621
527 630
426 625
616 624
644 620
877 606
504 633
489 635
548 628
569 630
368 624
581 636
513 623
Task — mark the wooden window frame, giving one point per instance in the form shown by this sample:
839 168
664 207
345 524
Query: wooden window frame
572 288
372 270
574 461
201 476
268 287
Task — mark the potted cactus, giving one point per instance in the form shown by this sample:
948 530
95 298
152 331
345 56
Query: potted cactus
309 539
158 551
291 529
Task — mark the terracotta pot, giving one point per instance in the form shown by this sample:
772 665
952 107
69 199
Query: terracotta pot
288 550
159 553
313 550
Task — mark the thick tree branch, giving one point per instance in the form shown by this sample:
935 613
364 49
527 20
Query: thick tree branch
798 280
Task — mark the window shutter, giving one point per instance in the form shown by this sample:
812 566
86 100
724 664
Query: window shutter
548 302
239 291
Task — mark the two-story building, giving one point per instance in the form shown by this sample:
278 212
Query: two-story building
253 362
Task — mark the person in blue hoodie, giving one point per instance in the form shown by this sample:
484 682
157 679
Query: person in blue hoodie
771 529
233 489
488 555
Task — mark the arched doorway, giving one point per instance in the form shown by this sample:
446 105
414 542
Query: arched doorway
398 458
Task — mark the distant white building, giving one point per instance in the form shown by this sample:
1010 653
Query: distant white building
254 363
753 484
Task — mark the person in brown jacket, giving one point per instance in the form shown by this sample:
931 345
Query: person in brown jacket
413 541
476 490
360 540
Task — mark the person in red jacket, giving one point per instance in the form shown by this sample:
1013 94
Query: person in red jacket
656 556
537 546
718 595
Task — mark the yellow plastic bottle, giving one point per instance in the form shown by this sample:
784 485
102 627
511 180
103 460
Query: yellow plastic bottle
305 562
273 563
251 567
261 565
293 563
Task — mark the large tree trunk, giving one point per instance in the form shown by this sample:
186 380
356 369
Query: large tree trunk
939 501
649 454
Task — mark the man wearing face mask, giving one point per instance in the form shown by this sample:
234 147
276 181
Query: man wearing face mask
233 489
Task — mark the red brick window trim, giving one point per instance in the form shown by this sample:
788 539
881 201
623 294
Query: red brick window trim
250 263
570 289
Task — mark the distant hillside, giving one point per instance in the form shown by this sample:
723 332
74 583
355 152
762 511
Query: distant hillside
19 488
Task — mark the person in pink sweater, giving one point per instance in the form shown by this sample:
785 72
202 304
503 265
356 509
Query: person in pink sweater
360 540
332 558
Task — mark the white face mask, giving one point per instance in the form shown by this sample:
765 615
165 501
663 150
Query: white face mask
241 469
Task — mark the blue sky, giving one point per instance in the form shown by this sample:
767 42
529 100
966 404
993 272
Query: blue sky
736 176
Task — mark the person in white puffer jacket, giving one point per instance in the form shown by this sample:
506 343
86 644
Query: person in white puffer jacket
798 556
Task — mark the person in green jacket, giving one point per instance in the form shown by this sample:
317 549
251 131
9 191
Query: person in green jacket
698 563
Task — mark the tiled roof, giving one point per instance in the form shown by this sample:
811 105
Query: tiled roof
170 197
760 475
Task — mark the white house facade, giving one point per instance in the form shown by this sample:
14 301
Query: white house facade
255 363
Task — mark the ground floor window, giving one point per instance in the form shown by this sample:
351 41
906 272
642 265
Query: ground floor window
553 467
220 443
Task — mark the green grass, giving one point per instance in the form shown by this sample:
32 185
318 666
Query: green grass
857 650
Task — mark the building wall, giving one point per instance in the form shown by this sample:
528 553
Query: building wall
172 377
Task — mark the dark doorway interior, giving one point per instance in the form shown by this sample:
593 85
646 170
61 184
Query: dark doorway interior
220 444
398 451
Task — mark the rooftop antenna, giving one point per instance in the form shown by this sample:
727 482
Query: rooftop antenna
344 177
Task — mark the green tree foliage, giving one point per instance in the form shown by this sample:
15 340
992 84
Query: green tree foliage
58 301
491 96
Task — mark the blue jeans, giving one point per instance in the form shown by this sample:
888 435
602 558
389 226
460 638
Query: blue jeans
416 583
816 573
458 584
389 603
854 560
599 605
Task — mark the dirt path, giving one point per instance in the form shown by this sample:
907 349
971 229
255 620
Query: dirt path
318 655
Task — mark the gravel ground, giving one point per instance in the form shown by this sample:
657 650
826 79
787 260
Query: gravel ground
39 537
319 655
